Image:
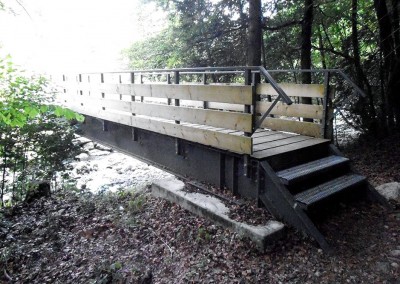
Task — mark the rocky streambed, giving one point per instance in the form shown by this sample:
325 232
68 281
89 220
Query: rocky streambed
99 168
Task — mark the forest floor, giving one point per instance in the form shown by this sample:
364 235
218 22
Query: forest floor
78 237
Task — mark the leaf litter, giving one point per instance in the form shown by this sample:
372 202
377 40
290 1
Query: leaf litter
78 237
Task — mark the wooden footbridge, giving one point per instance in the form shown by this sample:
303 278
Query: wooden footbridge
222 126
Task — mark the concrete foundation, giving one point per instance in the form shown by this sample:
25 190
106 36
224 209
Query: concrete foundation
213 208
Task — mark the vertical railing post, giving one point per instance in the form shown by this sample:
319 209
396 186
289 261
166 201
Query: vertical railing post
133 99
178 147
247 81
204 81
247 109
327 117
169 102
176 82
88 81
80 84
105 122
141 82
64 78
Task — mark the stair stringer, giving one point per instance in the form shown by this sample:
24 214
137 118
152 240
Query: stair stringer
280 202
371 193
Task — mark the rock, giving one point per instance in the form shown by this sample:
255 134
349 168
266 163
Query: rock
103 148
82 168
82 157
395 253
394 265
81 141
98 153
383 267
88 146
391 191
38 190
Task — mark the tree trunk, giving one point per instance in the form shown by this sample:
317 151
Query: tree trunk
321 47
305 56
361 80
3 182
391 66
396 26
255 33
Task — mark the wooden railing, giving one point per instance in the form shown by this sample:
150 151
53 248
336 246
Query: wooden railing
149 106
290 118
193 104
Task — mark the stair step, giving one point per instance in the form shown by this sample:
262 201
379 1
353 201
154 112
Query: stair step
320 192
303 171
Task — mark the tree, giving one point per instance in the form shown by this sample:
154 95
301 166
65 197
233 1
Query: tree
391 59
35 136
305 54
255 33
198 33
360 37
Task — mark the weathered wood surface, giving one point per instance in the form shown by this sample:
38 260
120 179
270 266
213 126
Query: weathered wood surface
284 148
300 127
210 93
293 90
233 143
293 110
280 142
223 119
220 124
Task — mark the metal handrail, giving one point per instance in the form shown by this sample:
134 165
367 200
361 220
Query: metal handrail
281 95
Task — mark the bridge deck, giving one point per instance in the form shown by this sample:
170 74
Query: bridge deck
268 143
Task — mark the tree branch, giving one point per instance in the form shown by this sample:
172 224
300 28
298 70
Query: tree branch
331 50
281 26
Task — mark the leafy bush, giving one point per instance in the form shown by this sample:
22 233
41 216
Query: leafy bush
35 135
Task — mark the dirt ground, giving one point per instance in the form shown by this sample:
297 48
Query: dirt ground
77 237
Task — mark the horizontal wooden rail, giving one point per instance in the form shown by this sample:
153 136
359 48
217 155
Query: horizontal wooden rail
230 120
294 90
300 127
294 110
212 93
290 117
214 114
233 143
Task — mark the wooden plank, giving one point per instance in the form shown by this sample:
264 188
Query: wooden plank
233 143
237 144
113 104
294 110
225 106
263 133
223 94
299 127
229 120
280 142
273 137
293 90
288 148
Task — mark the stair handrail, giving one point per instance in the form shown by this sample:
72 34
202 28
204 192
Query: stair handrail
281 96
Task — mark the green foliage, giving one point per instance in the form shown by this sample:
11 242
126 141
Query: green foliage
35 135
203 234
200 33
136 204
214 33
